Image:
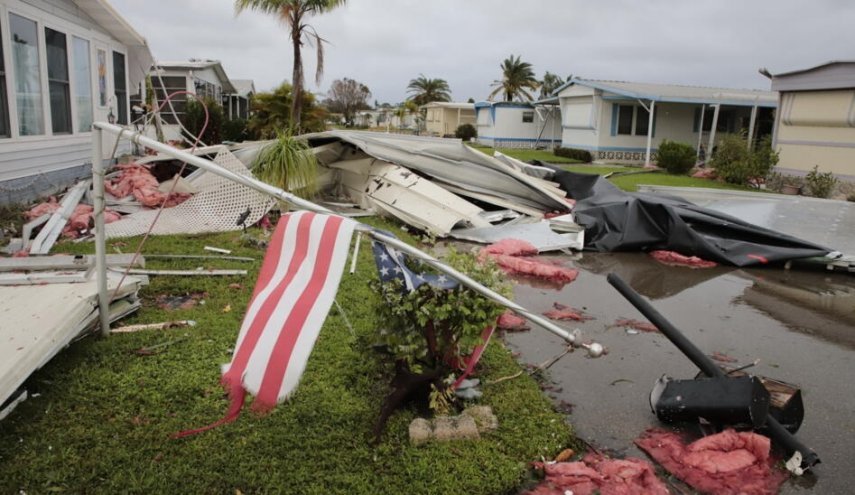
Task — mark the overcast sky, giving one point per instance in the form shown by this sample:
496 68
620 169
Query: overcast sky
385 43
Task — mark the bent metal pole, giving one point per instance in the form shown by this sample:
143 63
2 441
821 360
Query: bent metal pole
594 349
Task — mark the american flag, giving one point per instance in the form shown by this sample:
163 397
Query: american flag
391 265
297 284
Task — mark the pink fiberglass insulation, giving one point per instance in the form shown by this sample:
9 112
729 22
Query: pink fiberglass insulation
562 312
510 247
596 474
81 218
727 463
539 269
641 326
509 321
49 206
138 181
676 259
705 173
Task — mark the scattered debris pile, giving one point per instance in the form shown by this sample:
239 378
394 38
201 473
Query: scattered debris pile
729 462
597 474
137 181
514 256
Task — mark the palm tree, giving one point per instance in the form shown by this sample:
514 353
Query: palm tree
550 83
517 78
294 13
425 90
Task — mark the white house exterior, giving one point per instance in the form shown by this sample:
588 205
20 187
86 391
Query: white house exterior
237 104
816 123
612 119
503 124
64 64
443 118
203 78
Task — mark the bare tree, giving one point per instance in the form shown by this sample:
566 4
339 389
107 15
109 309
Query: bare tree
347 96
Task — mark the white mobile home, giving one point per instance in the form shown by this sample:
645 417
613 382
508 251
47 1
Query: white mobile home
613 120
816 123
237 105
504 124
443 118
64 64
203 78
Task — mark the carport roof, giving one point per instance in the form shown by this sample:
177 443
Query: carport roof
679 94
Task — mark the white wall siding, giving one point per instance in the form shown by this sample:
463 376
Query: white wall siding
507 129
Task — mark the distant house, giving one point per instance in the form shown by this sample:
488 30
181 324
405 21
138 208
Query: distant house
237 105
612 119
504 124
203 78
816 121
64 64
443 118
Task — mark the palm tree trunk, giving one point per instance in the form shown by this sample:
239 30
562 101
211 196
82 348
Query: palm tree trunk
297 75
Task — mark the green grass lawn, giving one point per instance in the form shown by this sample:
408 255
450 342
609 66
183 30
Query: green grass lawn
629 178
525 154
104 415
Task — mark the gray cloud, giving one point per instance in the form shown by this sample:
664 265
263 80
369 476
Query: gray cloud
386 43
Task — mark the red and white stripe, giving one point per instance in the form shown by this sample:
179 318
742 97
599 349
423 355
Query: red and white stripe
296 287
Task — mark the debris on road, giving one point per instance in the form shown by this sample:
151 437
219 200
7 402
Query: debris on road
673 258
598 474
562 312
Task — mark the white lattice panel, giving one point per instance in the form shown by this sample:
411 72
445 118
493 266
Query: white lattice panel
215 208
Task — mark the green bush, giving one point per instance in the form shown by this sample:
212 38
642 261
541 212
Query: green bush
735 164
194 118
820 184
466 132
583 156
676 158
235 130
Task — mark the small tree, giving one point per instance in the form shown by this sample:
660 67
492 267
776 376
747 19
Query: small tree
735 163
271 113
676 158
429 330
466 132
347 96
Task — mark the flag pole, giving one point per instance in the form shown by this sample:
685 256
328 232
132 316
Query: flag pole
594 349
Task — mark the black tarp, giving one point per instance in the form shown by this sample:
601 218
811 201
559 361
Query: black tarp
615 220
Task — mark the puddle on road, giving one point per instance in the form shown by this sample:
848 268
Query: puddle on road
801 325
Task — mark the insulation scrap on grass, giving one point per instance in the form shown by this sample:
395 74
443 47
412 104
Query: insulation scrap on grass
705 173
726 463
80 220
562 312
509 321
509 253
138 181
595 474
674 258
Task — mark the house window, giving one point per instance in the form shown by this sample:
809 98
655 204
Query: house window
120 87
642 121
82 71
58 83
167 85
633 120
5 131
102 78
528 117
28 87
625 119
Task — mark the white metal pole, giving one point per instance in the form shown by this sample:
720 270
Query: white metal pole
650 111
751 124
100 238
594 349
700 134
713 129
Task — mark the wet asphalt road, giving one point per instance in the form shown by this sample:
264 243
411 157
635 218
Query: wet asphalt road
801 325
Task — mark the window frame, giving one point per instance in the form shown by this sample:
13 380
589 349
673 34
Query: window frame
66 82
125 106
13 102
75 108
528 116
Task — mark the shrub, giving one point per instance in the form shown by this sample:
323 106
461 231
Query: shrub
676 158
820 184
194 118
583 156
466 132
235 130
734 163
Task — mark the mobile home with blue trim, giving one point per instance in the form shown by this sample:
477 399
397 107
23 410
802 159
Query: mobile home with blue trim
504 124
621 121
